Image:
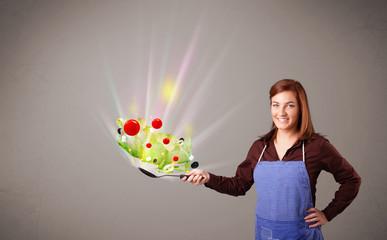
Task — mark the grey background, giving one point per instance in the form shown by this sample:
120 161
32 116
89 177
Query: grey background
69 68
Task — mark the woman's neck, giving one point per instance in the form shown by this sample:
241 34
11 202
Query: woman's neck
286 136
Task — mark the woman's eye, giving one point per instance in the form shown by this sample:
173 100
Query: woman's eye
275 105
291 105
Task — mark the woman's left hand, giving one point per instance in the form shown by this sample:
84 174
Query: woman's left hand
317 216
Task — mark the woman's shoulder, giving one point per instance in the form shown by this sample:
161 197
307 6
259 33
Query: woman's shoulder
319 141
259 143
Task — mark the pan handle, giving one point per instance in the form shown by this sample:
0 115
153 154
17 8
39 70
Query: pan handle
183 175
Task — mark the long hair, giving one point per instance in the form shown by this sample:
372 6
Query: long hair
305 127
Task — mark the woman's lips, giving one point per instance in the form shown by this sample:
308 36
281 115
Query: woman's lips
282 119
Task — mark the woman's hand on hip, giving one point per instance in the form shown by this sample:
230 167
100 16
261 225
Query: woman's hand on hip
317 216
197 177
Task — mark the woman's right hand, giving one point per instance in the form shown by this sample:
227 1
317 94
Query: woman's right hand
197 177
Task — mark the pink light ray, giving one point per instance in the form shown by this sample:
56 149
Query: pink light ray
194 106
182 71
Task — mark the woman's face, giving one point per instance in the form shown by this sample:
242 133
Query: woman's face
285 110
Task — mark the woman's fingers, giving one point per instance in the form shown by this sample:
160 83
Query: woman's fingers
184 179
315 219
191 177
197 177
315 225
313 215
317 216
311 210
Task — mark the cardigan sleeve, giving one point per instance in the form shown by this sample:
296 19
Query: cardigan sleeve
243 179
344 174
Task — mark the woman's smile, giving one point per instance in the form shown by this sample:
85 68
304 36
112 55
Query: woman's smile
283 119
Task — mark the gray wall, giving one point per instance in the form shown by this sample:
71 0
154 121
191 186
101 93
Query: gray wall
69 68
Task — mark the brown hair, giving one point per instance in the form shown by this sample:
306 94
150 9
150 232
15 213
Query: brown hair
305 127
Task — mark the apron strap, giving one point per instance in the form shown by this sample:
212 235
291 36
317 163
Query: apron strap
262 153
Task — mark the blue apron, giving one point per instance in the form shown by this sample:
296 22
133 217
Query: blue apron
283 196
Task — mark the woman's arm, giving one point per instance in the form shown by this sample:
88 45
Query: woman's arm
344 174
235 186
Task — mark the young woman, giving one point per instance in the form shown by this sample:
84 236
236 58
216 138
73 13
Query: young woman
284 165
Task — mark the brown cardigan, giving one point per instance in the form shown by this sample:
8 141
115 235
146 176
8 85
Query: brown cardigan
319 155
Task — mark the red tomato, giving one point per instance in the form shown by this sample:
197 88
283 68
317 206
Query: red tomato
157 123
132 127
149 145
175 158
166 141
